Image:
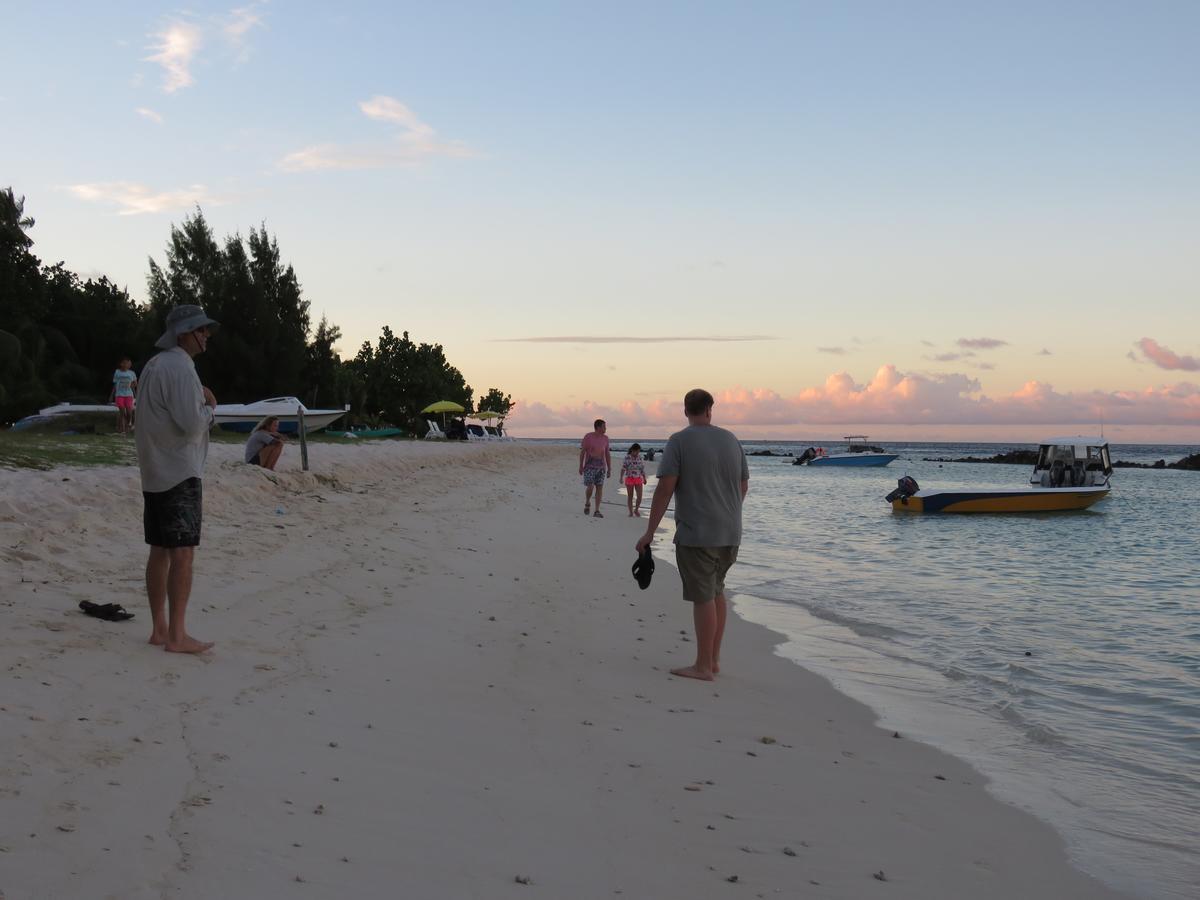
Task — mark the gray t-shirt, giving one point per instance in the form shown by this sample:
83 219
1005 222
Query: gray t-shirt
172 421
258 440
711 467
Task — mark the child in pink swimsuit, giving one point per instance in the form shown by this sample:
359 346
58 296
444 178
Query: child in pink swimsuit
633 473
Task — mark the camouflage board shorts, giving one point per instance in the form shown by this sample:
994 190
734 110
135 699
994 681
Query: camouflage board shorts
171 518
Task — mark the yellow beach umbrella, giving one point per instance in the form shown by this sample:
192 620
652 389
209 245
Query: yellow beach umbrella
444 406
487 415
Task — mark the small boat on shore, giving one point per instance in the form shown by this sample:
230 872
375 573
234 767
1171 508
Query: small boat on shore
243 417
1070 473
857 453
67 414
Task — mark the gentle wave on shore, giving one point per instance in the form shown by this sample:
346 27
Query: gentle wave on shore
1058 653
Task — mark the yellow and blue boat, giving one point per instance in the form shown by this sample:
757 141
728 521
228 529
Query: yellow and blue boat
1070 473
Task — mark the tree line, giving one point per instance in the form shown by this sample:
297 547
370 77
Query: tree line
61 336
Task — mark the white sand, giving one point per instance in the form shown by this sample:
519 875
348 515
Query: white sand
434 675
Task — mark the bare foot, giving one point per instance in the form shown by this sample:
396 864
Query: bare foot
587 508
158 638
188 645
693 672
638 513
716 668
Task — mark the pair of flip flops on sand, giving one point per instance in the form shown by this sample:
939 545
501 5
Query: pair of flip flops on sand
109 612
643 569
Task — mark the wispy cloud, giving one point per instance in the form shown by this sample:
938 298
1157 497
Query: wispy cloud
413 143
137 199
238 24
636 339
949 357
929 343
150 114
174 48
1045 352
983 343
894 397
1165 358
836 351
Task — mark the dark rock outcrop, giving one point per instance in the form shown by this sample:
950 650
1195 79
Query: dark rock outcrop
1187 464
1011 457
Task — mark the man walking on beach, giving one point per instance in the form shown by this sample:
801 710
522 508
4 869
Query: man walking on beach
175 412
704 468
595 464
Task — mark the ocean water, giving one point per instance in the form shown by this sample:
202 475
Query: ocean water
1058 653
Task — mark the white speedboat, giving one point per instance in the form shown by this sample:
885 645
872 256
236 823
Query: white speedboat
1070 473
244 416
857 453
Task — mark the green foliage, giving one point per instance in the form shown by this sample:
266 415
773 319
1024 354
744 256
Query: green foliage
61 338
262 348
496 401
399 378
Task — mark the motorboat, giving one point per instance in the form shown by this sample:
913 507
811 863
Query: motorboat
55 416
243 417
1070 473
857 453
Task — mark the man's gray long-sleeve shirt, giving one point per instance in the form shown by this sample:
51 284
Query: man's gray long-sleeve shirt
172 421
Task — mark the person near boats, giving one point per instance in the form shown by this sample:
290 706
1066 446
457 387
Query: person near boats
175 413
633 473
124 391
265 444
595 464
704 469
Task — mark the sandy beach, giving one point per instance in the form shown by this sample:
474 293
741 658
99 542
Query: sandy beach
434 678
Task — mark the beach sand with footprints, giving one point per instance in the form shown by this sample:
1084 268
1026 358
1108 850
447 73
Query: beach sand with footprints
435 678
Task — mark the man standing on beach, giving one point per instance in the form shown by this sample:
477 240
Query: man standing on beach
704 468
595 464
175 412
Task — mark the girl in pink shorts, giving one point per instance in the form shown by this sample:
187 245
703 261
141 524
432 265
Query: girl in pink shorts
633 473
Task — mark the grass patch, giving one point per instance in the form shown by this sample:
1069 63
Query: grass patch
45 449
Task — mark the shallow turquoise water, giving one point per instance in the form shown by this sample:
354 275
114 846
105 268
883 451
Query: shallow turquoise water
1060 653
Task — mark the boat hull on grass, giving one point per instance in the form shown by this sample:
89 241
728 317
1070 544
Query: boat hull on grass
244 417
1020 500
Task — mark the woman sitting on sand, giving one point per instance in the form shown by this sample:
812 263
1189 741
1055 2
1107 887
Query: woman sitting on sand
265 445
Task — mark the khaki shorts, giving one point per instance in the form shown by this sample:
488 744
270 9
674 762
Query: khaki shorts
703 569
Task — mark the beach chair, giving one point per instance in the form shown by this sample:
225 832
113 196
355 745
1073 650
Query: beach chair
434 433
476 433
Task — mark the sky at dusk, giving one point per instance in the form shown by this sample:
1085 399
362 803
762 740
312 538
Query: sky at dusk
922 220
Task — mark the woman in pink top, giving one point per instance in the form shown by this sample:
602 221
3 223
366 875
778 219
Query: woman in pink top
633 473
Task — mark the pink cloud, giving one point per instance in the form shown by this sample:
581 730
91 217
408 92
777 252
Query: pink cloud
1165 358
892 397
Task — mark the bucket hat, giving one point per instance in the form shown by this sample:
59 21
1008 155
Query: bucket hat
182 319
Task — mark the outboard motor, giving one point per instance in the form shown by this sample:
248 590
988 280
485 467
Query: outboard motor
905 488
804 457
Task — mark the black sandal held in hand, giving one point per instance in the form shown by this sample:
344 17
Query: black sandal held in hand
643 569
109 612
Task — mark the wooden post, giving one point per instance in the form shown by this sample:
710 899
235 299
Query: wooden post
303 438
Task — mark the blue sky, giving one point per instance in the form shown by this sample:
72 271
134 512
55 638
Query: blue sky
866 184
